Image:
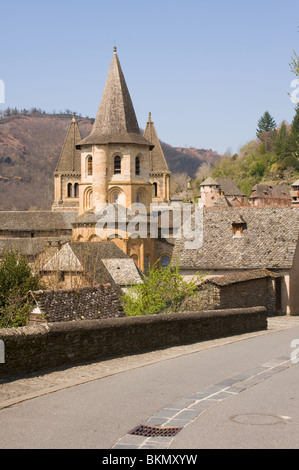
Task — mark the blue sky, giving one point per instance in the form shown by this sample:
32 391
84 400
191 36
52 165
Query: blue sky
207 70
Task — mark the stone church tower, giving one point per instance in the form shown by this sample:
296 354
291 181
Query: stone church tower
115 169
67 174
159 172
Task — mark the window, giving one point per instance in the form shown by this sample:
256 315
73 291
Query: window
76 190
155 190
88 203
165 260
115 198
238 229
89 165
138 198
117 165
137 166
69 190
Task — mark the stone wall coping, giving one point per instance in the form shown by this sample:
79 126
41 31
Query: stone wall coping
122 322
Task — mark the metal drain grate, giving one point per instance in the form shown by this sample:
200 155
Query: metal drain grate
154 431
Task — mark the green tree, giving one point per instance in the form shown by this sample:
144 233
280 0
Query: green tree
282 142
294 136
266 130
161 289
265 124
16 280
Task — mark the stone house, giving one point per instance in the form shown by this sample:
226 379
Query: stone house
31 232
225 189
294 193
268 195
244 289
78 264
235 240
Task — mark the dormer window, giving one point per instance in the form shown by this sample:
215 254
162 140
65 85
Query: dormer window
238 228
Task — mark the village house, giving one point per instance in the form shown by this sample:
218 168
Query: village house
31 232
221 191
263 195
237 240
77 264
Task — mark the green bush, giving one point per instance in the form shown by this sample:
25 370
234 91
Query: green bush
161 289
16 280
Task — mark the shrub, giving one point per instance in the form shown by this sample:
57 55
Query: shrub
161 289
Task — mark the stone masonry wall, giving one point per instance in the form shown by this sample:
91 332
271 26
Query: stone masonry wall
245 294
51 345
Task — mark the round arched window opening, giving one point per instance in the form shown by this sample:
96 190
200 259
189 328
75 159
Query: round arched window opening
165 261
89 165
137 166
117 165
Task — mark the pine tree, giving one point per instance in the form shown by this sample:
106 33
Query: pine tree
265 124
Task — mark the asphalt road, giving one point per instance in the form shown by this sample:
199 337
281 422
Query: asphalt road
99 414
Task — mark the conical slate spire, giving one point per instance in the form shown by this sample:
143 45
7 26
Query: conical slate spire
158 162
70 157
116 120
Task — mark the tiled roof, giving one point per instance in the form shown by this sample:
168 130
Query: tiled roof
36 220
29 246
268 191
229 188
116 121
70 157
269 239
209 182
102 262
158 162
242 276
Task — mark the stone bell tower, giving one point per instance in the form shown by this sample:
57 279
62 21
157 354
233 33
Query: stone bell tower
115 166
67 174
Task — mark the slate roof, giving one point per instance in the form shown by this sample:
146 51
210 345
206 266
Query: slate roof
158 163
262 191
30 247
209 182
222 201
229 187
269 239
116 120
80 303
102 262
70 157
36 220
242 276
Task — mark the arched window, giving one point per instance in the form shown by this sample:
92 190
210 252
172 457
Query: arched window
138 197
137 166
117 165
88 199
155 190
165 260
76 190
89 165
69 190
115 198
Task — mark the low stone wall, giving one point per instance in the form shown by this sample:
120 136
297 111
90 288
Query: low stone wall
48 346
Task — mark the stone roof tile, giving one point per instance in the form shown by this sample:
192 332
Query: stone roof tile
269 239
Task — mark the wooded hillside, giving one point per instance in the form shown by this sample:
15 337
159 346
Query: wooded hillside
30 145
